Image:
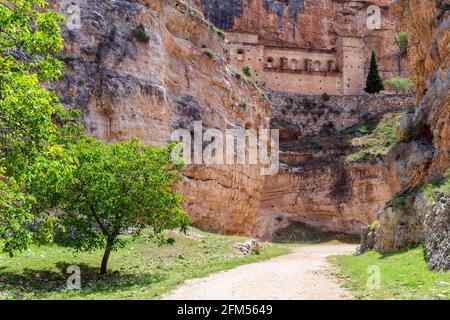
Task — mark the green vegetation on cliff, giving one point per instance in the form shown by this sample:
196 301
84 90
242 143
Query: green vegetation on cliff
442 187
363 142
377 140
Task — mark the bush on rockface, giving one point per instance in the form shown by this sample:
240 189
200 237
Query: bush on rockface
399 84
140 34
325 97
402 42
247 70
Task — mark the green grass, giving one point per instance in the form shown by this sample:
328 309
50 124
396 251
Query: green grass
141 270
434 190
404 275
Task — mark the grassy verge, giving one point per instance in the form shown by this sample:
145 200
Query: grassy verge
404 275
141 270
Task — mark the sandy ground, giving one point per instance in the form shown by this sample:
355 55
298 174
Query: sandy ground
302 275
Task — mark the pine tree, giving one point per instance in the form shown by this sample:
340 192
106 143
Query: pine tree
374 83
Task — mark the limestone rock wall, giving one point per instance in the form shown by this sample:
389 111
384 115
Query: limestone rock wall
146 67
330 197
425 156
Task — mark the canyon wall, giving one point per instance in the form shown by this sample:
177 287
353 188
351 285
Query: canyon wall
425 156
317 186
145 68
328 197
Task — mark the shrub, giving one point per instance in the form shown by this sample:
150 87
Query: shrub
247 70
140 34
242 104
219 32
398 202
307 104
257 248
399 84
210 54
420 130
326 97
375 225
402 41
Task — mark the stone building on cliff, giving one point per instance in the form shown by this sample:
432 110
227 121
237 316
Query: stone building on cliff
302 70
308 47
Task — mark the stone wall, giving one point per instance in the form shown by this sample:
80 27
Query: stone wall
305 115
303 71
437 234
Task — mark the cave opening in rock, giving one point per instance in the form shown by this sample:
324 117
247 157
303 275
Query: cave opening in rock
297 231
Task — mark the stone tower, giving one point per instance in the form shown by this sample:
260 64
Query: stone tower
350 62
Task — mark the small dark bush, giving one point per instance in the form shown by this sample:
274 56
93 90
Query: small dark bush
219 32
307 104
140 34
247 70
326 97
242 104
208 53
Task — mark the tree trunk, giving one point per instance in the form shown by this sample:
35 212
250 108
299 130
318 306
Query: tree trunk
104 267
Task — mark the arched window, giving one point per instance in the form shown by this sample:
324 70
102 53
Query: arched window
308 65
317 66
294 64
240 55
284 63
269 63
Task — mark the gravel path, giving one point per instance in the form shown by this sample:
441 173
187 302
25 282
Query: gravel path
302 275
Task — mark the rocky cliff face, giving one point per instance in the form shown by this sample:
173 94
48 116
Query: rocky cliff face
309 24
424 157
437 234
317 186
146 67
329 197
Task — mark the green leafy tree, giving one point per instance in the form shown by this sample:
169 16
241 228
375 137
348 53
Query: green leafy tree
374 83
114 189
399 84
402 42
30 44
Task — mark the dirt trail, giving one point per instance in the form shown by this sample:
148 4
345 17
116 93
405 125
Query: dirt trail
303 274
